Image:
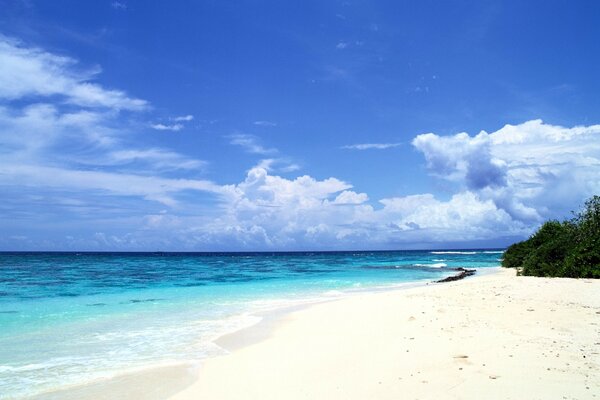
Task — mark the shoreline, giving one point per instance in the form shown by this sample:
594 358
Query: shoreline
271 319
183 374
164 381
452 359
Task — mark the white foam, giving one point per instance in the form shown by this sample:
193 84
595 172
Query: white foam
436 265
453 252
34 366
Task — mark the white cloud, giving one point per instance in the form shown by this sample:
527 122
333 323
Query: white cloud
184 118
267 164
163 127
532 170
464 217
493 197
262 189
462 158
32 72
158 158
250 144
405 205
77 148
267 211
342 45
149 187
265 123
350 197
118 5
31 130
290 167
370 146
278 164
177 126
503 183
33 134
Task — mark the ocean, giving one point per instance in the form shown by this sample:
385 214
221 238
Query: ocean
74 318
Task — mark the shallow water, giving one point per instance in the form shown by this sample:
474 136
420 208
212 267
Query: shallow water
71 318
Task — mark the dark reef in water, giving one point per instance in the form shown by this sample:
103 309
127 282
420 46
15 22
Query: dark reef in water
463 273
141 300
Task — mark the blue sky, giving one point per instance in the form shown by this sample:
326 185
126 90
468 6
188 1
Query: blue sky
258 125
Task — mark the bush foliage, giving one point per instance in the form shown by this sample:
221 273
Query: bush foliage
567 249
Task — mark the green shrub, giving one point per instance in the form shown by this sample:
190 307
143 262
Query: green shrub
515 255
566 249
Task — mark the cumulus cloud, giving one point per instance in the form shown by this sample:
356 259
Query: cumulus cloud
462 158
269 211
62 145
350 197
278 212
262 189
465 216
500 192
531 170
370 146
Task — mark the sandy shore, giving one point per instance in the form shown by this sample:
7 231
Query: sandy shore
490 337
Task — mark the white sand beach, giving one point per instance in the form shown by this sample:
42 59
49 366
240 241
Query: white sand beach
490 337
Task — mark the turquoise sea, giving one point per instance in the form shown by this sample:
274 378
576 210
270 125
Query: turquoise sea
73 318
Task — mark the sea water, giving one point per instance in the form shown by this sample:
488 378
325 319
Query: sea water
74 318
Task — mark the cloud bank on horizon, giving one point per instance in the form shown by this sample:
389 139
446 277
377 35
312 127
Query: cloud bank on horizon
74 151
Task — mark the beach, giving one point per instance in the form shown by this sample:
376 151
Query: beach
78 325
496 336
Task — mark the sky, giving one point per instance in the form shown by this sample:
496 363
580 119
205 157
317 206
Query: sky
297 125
